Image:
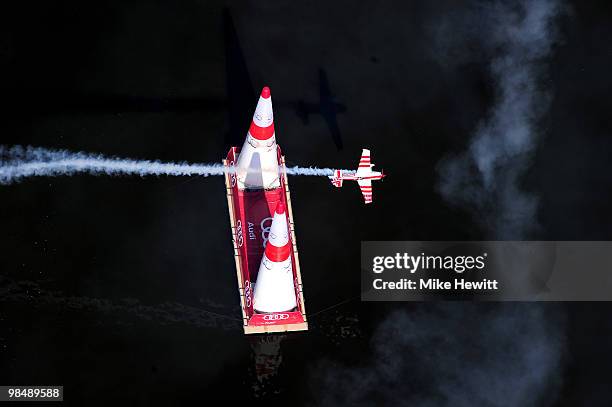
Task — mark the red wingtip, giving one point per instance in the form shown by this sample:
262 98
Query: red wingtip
265 92
280 208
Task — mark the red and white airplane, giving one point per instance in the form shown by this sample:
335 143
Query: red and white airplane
364 176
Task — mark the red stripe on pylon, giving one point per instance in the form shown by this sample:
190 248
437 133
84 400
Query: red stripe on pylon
278 254
261 133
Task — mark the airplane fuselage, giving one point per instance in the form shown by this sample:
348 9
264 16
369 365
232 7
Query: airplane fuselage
352 177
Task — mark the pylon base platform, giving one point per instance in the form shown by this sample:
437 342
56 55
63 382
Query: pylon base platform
251 215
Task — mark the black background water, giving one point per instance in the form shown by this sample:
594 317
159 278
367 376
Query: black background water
105 282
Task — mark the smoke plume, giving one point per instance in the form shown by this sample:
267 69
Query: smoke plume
486 178
475 354
453 354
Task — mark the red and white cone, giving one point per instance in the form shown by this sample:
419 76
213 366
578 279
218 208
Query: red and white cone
274 290
257 166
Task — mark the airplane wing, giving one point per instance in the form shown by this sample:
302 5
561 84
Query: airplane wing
364 167
366 189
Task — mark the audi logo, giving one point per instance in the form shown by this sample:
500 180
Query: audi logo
248 293
275 317
265 230
232 174
239 236
256 144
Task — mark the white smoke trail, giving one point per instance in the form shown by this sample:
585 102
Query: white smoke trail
312 171
20 162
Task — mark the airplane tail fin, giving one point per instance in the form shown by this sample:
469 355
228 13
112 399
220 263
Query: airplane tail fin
337 179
